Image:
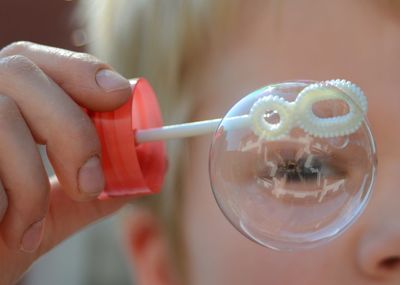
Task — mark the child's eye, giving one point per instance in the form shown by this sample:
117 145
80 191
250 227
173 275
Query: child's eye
308 169
310 175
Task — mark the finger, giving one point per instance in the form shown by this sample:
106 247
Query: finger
24 178
57 121
90 82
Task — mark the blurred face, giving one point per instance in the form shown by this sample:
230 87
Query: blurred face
357 40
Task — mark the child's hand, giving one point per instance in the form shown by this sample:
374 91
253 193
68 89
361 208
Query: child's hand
42 92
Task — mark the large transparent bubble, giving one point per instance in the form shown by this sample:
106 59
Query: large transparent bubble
302 171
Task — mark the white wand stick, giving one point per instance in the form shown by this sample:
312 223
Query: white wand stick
189 129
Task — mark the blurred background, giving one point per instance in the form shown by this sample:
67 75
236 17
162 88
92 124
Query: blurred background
96 255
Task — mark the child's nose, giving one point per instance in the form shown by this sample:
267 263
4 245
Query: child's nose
379 251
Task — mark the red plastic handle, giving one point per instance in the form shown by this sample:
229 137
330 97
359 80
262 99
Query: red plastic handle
129 168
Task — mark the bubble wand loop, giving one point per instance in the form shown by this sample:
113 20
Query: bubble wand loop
298 113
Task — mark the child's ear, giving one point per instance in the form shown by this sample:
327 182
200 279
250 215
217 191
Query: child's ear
148 249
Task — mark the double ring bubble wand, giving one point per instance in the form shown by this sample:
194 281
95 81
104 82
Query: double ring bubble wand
291 165
291 113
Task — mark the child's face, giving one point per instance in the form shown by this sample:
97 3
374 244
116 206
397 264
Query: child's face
355 40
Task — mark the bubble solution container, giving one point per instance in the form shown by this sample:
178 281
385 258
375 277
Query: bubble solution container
131 168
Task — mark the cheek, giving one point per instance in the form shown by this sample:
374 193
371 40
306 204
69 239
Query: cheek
210 239
219 254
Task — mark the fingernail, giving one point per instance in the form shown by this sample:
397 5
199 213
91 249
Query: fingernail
32 237
90 177
110 81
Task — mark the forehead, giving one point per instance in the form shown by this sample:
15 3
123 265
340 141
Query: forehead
280 44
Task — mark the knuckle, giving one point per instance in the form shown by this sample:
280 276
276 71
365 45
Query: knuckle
18 65
3 203
38 199
7 106
82 132
41 207
89 61
84 57
43 184
34 212
16 48
9 113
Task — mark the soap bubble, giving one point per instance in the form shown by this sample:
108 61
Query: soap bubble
300 174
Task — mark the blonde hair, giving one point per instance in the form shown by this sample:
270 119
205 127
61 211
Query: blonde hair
162 41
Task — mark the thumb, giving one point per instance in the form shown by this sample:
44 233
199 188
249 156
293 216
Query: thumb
66 216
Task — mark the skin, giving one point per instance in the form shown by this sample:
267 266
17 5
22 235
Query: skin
37 100
363 49
271 43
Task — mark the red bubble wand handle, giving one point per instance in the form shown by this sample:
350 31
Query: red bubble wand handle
131 168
